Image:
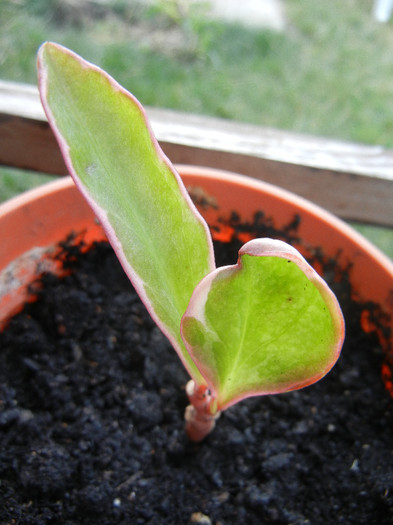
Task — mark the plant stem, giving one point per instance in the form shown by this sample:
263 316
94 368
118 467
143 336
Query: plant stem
202 413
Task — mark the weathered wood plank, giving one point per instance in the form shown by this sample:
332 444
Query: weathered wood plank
352 180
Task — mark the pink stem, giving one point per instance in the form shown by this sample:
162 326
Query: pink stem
201 415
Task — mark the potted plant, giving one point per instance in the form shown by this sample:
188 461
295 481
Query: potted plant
258 498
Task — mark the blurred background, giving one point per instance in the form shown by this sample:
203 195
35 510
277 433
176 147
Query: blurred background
311 66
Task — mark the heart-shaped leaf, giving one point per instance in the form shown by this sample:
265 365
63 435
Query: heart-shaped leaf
266 325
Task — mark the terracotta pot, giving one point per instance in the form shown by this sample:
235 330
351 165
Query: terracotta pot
97 434
31 226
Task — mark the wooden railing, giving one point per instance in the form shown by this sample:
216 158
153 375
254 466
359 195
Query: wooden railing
353 181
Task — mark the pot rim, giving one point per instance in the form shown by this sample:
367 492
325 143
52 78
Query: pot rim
300 202
238 179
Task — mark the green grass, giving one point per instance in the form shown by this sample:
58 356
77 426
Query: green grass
329 74
381 237
13 181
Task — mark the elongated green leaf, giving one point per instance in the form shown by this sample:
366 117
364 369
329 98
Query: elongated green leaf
161 240
266 325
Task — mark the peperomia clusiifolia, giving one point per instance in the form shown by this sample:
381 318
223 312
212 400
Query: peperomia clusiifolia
266 325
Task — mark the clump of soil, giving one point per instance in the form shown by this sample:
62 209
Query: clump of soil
91 431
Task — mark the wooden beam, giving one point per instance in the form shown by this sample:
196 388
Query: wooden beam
353 181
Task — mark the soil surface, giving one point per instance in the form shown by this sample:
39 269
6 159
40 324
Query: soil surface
91 431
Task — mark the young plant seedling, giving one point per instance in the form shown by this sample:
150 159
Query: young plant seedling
266 325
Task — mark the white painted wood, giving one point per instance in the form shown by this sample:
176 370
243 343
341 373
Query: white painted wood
353 181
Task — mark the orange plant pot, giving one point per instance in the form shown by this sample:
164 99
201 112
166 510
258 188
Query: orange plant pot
32 225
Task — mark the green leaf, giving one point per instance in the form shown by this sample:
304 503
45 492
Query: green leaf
267 325
161 240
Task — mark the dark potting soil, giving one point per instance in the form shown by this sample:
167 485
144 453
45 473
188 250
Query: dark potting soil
91 406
